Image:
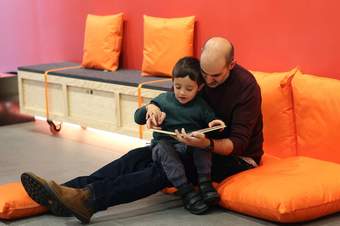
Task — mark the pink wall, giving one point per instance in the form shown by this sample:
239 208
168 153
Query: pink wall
40 31
268 35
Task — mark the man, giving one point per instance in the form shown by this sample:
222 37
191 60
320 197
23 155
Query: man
236 99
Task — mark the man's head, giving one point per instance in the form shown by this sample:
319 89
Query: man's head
187 79
217 59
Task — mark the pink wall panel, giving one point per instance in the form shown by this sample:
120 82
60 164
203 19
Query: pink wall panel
36 31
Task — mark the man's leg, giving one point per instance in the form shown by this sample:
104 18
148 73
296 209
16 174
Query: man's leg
226 166
128 187
132 161
135 160
221 167
100 195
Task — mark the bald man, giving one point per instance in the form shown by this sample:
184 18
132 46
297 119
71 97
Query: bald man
235 96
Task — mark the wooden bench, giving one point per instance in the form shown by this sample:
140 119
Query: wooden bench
90 98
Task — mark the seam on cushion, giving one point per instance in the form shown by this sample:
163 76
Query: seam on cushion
290 84
286 82
31 206
316 206
278 212
6 208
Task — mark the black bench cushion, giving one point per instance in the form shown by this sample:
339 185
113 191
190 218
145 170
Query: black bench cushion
122 77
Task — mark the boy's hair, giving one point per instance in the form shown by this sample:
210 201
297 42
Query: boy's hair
188 66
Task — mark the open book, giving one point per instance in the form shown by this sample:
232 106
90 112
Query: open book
209 129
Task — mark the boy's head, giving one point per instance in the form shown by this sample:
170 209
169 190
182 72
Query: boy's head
187 79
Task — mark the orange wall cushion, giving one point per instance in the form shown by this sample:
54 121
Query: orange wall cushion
103 41
317 113
166 40
294 189
15 202
277 110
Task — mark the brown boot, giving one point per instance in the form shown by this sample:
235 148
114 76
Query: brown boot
75 200
37 188
60 200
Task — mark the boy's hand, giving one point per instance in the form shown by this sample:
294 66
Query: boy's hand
216 122
193 139
154 116
150 123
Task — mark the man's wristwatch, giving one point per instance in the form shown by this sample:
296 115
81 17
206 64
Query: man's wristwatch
211 145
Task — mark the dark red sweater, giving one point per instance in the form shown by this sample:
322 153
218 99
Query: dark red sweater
238 103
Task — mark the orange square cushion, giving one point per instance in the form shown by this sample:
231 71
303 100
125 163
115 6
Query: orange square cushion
102 42
317 113
290 190
166 40
15 202
277 110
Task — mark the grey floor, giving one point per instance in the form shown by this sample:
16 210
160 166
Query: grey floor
30 147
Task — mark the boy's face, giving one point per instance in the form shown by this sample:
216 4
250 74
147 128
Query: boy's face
185 89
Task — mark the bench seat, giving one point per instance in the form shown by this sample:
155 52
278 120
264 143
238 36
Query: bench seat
88 97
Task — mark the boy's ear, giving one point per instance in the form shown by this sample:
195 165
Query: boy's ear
200 86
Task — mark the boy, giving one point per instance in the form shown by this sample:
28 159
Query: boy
184 109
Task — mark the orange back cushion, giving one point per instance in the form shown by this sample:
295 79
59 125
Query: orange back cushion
15 202
317 113
102 42
294 189
165 42
277 109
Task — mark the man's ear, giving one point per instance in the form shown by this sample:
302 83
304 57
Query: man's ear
200 86
232 64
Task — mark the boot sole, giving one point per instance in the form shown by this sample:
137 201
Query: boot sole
39 191
198 212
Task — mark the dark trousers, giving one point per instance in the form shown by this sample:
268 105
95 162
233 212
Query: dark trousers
135 176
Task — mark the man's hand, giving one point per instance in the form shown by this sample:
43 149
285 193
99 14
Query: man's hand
154 117
194 139
216 122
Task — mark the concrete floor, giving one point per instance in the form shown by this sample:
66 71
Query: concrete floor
30 147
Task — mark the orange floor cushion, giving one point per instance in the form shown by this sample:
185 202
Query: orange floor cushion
294 189
15 202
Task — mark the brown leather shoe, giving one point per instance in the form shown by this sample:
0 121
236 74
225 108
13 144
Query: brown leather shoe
59 199
37 188
77 201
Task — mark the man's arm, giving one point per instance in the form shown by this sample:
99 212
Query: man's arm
220 146
245 118
223 146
